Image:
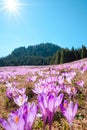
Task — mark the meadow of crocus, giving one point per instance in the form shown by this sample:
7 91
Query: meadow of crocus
44 97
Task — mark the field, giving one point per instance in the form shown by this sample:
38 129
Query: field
69 79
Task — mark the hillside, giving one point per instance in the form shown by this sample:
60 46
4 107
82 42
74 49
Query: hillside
33 55
43 50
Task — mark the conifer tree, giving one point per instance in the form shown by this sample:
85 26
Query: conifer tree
62 56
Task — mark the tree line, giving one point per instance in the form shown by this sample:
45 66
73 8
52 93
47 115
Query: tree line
66 55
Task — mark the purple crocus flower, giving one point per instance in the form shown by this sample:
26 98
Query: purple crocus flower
80 83
22 119
64 105
42 102
47 87
69 111
53 104
21 91
48 106
70 90
18 95
12 91
9 93
15 121
20 99
61 80
31 79
30 112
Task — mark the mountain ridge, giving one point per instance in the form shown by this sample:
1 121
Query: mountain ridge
32 55
43 49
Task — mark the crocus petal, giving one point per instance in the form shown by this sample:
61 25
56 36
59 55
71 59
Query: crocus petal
20 99
58 101
70 112
21 124
64 105
5 124
32 114
75 109
42 107
51 103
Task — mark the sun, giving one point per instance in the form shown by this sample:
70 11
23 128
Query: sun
11 7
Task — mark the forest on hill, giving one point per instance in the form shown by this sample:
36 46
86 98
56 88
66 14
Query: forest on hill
43 54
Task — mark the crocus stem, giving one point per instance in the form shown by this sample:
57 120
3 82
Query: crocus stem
44 126
71 127
50 128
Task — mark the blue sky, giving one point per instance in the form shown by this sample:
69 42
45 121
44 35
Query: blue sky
62 22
